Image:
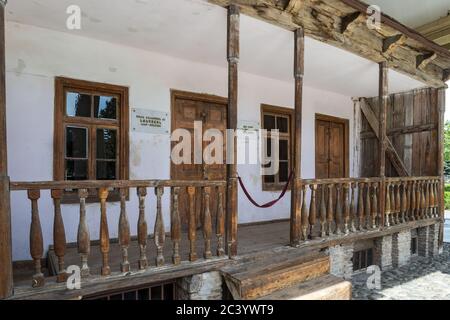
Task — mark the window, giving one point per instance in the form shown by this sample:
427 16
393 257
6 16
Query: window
278 118
414 245
91 132
362 259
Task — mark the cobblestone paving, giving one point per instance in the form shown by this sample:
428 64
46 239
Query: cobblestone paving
422 279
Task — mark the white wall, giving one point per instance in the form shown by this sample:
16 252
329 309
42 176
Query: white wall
35 56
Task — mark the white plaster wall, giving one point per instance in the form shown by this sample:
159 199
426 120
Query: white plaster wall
35 56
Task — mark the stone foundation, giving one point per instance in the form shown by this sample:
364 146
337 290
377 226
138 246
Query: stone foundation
433 240
401 248
422 234
341 264
383 252
205 286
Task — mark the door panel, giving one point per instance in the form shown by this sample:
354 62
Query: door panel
322 149
187 108
331 153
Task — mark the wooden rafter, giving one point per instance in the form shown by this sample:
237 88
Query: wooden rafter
392 154
438 31
342 23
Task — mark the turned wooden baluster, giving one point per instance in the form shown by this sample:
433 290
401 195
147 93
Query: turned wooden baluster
207 223
142 229
432 199
59 235
159 231
413 201
323 211
338 219
83 237
375 205
353 208
124 231
304 216
175 225
104 232
429 197
361 216
368 206
424 201
330 210
393 205
436 198
419 200
397 204
192 224
404 205
312 210
346 208
36 242
220 223
387 209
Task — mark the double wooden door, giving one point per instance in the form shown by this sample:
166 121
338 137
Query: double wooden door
331 147
211 113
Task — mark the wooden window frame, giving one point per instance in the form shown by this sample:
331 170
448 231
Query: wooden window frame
267 109
346 123
61 121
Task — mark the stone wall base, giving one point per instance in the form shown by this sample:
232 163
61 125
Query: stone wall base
205 286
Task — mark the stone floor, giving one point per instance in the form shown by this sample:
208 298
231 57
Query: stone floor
422 279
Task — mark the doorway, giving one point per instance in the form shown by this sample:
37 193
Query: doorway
211 111
332 147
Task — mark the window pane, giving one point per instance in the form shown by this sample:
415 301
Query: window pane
282 124
78 105
269 122
76 170
370 257
363 259
76 142
105 107
284 172
284 150
269 179
106 170
268 147
106 144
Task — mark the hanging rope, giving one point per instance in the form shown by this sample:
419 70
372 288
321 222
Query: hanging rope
268 204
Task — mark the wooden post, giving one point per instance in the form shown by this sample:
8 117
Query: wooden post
441 137
383 101
297 150
233 61
6 279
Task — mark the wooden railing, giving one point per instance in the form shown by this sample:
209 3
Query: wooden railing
342 206
86 188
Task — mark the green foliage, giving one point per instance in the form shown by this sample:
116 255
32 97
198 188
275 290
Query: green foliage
447 196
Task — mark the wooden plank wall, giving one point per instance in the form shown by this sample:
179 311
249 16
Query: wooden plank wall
412 121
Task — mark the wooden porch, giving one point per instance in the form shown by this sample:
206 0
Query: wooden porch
324 212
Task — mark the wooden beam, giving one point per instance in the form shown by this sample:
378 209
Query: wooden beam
440 158
348 20
392 154
390 43
233 60
295 226
423 60
382 138
326 20
437 31
6 275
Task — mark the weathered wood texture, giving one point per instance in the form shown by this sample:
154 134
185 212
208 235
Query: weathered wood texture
343 23
233 25
6 278
412 123
299 45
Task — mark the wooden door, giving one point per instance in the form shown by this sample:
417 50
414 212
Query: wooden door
331 147
211 111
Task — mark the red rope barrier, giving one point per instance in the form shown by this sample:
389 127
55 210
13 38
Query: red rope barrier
270 203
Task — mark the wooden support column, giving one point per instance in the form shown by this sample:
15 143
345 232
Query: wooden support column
6 279
383 100
297 150
233 61
440 159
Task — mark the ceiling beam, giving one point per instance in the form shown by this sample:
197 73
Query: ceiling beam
334 21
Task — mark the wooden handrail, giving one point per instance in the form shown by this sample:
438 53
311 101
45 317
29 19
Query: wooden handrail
97 184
